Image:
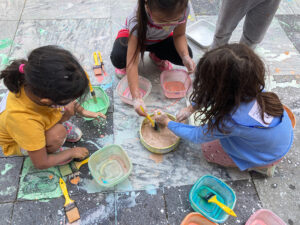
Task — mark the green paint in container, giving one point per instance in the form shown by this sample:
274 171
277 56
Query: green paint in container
101 105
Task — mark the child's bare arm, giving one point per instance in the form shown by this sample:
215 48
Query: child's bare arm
85 113
41 159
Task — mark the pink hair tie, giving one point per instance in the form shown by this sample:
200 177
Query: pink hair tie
21 68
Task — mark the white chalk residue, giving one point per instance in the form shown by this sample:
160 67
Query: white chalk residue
93 143
271 83
91 186
267 54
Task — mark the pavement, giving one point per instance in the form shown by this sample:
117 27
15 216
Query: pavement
157 190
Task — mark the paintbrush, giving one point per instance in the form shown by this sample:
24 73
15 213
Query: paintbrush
102 64
91 88
212 198
71 209
153 123
97 66
75 166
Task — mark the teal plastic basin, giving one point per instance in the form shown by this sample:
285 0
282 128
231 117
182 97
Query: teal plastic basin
223 192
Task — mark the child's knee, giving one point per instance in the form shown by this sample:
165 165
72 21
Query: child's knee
56 136
119 54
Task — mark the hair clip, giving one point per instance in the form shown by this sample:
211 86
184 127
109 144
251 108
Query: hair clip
21 68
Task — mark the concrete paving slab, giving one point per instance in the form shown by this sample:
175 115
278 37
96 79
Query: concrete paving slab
9 180
11 10
6 210
66 9
141 207
82 37
202 7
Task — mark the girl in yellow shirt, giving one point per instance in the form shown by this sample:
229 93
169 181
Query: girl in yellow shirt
31 121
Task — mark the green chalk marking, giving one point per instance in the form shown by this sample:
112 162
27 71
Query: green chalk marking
42 31
39 184
5 43
7 168
4 59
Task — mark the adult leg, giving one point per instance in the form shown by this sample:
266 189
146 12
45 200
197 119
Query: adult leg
230 14
165 50
257 22
55 137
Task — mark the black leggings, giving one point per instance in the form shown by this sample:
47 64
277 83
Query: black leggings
164 50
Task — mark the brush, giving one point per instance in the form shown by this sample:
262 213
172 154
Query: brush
102 64
71 209
97 66
75 166
91 88
212 198
153 123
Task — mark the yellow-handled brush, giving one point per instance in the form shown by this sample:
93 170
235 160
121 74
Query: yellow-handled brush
91 88
97 66
71 209
153 123
212 198
102 64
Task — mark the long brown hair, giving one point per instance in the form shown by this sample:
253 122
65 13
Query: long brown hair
166 6
226 77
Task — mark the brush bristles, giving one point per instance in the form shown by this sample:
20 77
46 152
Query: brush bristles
72 212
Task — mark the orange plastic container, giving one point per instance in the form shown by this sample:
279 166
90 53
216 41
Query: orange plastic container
265 217
196 219
291 115
175 83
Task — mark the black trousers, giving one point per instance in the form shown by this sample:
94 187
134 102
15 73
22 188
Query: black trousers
164 50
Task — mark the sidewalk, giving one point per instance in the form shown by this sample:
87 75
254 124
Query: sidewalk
157 190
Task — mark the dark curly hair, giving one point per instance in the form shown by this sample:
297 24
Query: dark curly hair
226 77
50 72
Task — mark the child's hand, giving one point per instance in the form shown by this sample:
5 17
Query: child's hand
80 153
161 118
189 63
184 113
137 103
90 114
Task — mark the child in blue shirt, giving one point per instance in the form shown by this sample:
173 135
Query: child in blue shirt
241 125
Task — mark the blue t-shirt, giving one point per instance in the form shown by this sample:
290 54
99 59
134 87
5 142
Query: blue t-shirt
251 142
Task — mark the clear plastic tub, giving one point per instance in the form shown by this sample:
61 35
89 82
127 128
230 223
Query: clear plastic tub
264 217
102 102
175 83
124 92
110 165
196 219
210 210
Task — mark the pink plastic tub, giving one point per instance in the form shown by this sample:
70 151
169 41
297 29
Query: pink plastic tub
124 92
175 83
264 217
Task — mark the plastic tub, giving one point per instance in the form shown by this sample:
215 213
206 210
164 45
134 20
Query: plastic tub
110 166
291 115
101 105
210 210
124 92
154 149
202 33
196 219
264 217
175 83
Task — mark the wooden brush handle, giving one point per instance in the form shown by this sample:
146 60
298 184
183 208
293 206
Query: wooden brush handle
64 190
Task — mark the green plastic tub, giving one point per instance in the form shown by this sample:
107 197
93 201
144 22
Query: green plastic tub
110 166
101 105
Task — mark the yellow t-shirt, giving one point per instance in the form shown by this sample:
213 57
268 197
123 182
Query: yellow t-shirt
23 123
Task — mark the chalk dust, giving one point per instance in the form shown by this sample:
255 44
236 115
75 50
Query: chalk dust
158 139
75 180
157 158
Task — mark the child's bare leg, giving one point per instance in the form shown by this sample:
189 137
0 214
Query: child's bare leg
55 137
213 152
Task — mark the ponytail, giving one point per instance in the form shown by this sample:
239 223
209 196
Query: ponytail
12 77
269 103
141 28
